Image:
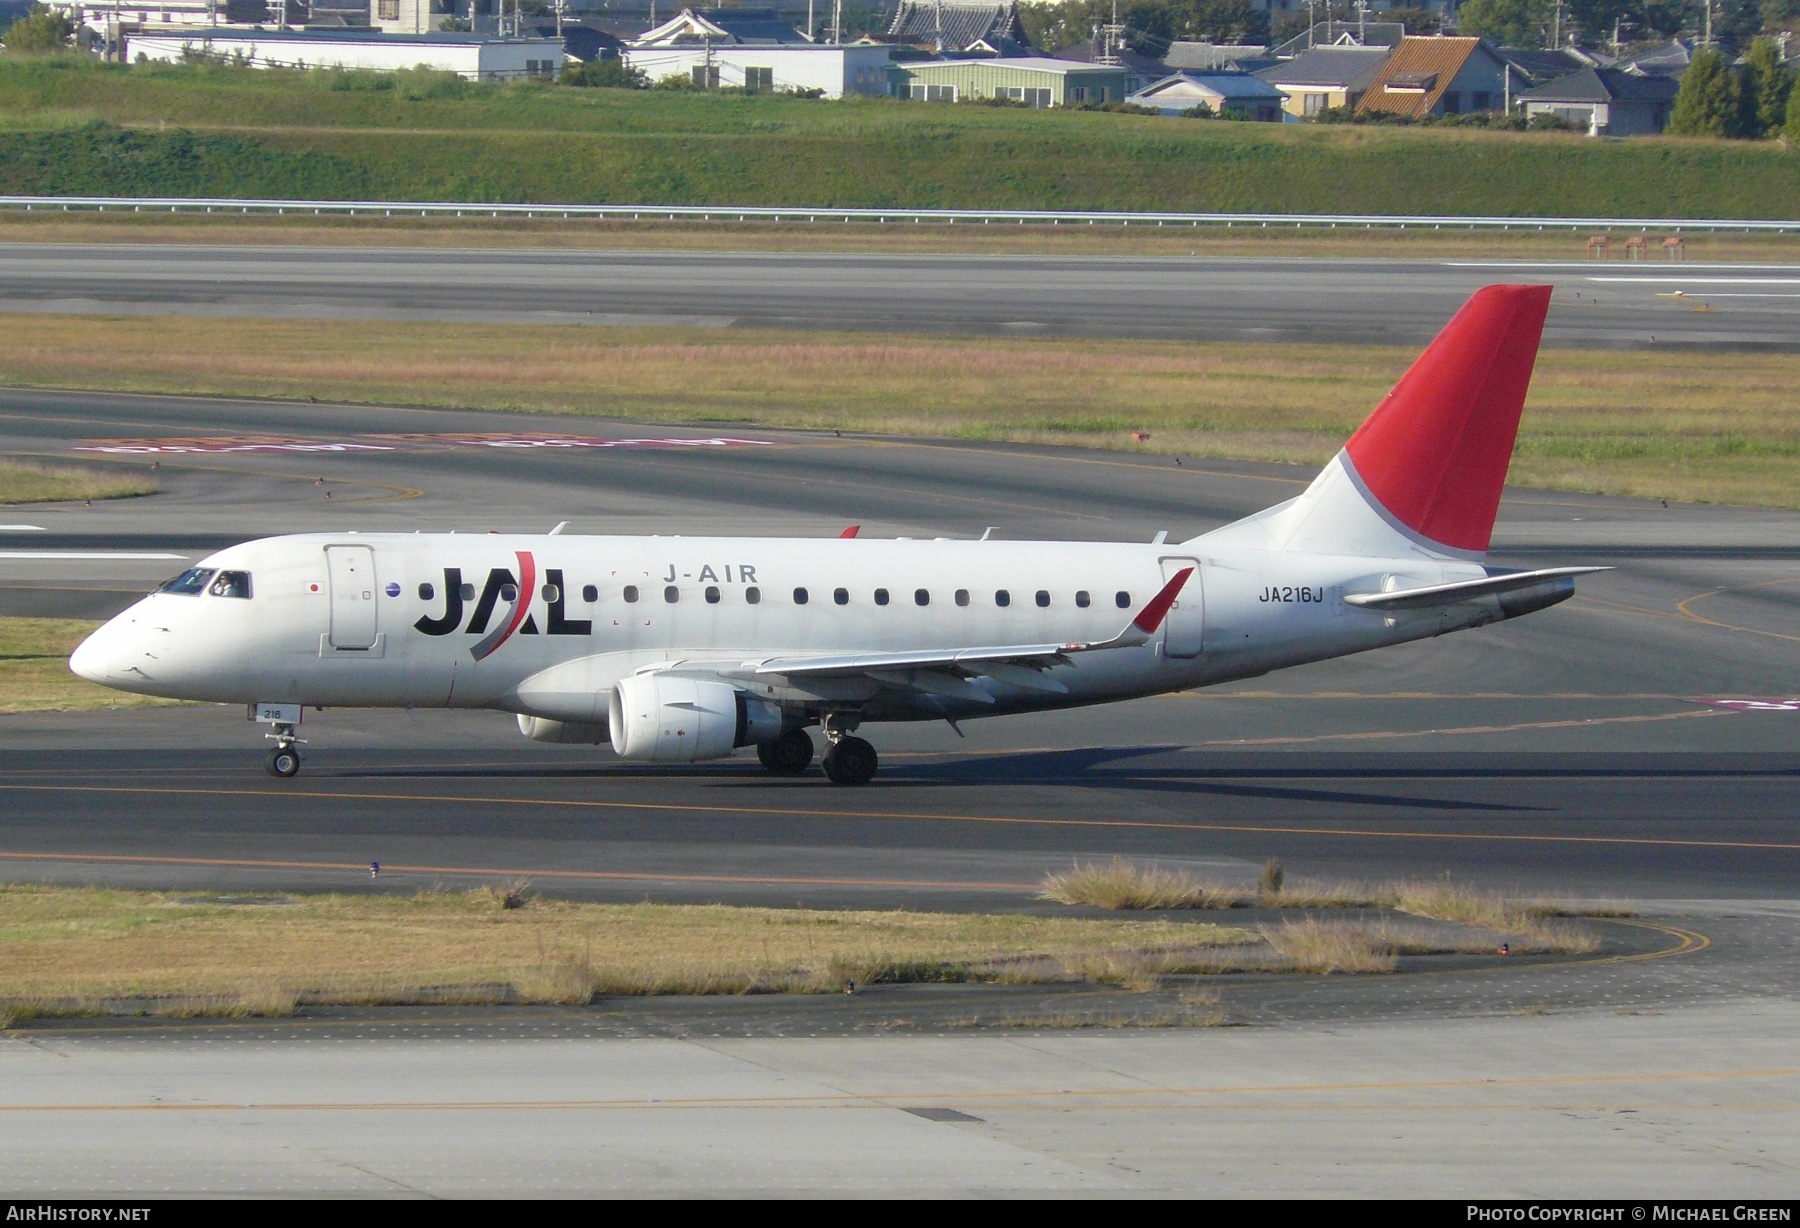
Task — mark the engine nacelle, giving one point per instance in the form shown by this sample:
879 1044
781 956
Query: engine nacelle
660 718
543 729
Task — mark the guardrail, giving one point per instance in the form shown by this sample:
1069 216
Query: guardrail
973 217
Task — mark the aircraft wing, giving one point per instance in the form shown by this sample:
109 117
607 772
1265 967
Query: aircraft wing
1017 660
1463 590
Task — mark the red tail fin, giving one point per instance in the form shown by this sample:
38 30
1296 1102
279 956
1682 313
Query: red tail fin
1435 451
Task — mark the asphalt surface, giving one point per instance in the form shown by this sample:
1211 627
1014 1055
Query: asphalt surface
1577 753
1616 304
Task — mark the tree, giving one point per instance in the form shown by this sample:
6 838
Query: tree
1710 102
39 32
1767 85
1793 116
611 72
1511 23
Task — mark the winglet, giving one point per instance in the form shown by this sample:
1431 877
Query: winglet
1152 615
852 531
1140 629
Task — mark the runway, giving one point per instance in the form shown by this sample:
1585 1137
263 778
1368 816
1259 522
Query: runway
1613 305
1593 750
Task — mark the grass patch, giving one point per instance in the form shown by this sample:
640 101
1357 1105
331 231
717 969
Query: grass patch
68 125
68 949
1314 945
1717 427
30 482
34 670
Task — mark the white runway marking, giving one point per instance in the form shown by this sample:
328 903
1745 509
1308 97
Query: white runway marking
84 554
21 528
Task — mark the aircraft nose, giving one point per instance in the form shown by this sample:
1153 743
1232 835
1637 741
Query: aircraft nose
97 658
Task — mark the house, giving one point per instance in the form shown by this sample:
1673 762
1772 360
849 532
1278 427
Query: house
829 68
1239 93
1140 69
1037 81
1217 57
1341 34
1439 75
478 57
1606 101
1325 77
1669 60
990 26
722 28
1534 66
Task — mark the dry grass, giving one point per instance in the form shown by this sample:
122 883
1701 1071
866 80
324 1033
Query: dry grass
1691 425
1169 243
68 948
28 482
1491 918
34 670
1122 885
1311 945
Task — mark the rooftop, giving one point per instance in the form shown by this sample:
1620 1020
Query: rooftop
957 24
1606 85
1417 73
1341 67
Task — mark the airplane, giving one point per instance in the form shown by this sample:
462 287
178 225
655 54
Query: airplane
684 649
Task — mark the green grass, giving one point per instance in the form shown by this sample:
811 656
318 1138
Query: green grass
75 126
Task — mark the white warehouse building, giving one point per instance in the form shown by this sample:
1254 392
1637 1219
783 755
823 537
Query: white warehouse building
785 68
478 57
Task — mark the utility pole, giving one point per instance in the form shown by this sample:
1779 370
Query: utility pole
809 22
937 21
837 22
1362 22
1106 50
1709 40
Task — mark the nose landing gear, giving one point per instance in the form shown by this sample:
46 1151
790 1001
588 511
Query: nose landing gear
283 761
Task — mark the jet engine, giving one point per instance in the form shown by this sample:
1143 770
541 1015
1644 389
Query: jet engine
661 718
543 729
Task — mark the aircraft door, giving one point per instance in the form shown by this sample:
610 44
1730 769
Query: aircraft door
352 571
1184 630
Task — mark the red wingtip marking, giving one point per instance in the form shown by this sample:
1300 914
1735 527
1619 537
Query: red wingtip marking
852 531
1151 616
1435 451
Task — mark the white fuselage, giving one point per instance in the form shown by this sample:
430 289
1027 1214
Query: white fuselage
377 620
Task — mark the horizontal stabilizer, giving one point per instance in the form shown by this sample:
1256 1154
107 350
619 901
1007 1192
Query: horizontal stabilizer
1463 590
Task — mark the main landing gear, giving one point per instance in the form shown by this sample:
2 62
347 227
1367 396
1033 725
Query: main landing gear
847 761
788 755
850 761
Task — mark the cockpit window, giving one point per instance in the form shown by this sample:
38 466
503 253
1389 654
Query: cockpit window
190 583
231 584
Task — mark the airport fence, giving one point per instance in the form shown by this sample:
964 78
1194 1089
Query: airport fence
910 217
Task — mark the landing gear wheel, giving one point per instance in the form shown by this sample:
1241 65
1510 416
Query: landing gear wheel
787 755
283 761
851 761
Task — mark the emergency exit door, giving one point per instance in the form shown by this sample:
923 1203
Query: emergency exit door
1184 630
352 572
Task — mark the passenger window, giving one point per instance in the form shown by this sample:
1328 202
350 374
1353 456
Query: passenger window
1043 598
841 596
1122 600
753 595
962 596
231 584
190 583
712 594
799 596
631 593
589 593
671 594
921 597
1081 599
509 592
881 596
551 594
1002 598
426 592
468 592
